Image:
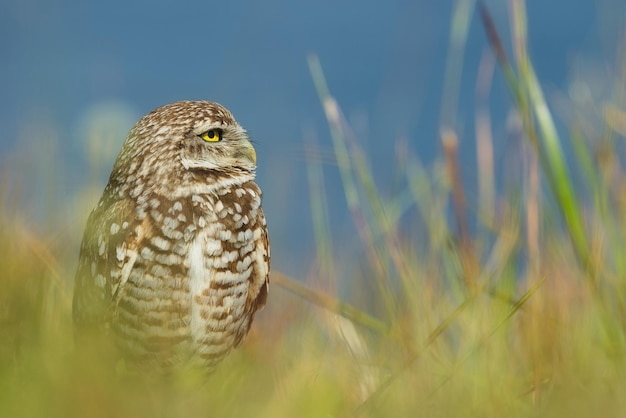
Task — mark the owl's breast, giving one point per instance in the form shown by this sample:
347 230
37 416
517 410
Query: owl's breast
193 279
220 270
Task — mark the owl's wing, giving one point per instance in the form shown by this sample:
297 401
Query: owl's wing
107 254
260 279
260 276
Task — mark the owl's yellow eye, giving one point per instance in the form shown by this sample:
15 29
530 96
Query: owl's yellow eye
212 135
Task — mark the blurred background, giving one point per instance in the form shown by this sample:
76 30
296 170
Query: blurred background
76 75
493 292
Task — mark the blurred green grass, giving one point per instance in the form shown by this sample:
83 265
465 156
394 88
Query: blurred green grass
521 315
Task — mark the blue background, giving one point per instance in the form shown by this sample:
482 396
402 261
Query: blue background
72 68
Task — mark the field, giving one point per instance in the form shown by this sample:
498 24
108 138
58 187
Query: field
507 303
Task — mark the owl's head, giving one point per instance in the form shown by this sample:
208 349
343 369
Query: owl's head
185 137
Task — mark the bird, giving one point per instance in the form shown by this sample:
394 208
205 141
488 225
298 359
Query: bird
175 257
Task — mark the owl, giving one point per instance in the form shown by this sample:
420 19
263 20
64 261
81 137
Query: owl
175 257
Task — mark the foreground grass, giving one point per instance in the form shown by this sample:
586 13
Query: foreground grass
519 315
555 353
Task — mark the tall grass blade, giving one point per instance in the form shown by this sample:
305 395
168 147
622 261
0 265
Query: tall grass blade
330 304
549 149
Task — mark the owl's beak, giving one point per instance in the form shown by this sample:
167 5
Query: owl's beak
247 152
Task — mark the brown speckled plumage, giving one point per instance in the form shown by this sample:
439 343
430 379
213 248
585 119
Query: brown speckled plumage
175 257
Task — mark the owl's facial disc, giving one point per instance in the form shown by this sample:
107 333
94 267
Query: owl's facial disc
218 146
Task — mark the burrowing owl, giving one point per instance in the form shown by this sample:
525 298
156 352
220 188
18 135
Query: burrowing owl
175 257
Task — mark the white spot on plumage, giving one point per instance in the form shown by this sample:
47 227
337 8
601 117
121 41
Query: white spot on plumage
227 303
147 254
157 215
160 243
213 247
243 264
126 270
189 231
159 271
168 260
224 277
114 228
162 130
241 222
229 256
172 234
169 222
244 236
100 281
225 234
120 252
102 249
247 248
179 249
